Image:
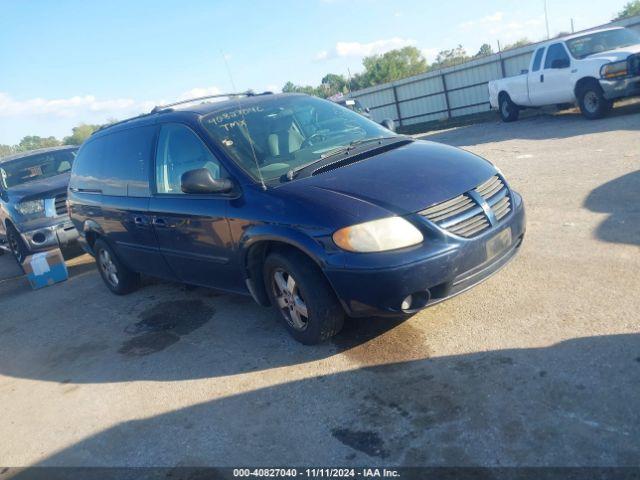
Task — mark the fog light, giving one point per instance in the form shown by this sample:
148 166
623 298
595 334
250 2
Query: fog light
39 238
406 303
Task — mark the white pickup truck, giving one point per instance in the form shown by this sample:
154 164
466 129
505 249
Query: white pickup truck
593 69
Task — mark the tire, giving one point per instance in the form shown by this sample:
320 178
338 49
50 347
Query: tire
117 277
508 110
19 250
295 285
592 103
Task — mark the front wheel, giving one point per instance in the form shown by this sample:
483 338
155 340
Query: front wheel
117 277
16 245
593 105
509 111
303 297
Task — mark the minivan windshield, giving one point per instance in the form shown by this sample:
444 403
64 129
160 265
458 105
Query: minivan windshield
35 167
286 132
585 45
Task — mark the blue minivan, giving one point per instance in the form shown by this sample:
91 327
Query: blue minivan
299 202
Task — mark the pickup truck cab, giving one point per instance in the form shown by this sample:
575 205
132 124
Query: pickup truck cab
591 69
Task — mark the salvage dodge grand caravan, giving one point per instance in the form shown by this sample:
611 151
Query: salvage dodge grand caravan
301 203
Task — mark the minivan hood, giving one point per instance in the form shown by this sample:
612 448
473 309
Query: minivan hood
406 179
616 55
44 188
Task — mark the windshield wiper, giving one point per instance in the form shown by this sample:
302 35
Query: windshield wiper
291 174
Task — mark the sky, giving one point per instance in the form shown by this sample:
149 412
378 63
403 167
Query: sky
65 62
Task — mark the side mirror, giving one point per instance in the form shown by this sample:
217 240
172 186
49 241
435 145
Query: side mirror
560 63
201 181
388 124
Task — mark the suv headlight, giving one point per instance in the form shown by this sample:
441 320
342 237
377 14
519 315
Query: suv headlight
378 235
613 70
31 207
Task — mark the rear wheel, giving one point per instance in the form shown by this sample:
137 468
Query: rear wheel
592 103
303 297
509 111
16 244
117 277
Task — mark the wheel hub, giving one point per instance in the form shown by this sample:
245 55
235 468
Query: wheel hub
289 300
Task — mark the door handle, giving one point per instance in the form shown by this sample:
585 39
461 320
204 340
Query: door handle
542 78
159 222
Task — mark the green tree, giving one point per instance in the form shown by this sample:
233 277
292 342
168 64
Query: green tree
393 65
630 9
485 50
520 43
31 142
333 84
80 134
448 58
290 87
6 150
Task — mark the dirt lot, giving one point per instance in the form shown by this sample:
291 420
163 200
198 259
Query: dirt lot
540 365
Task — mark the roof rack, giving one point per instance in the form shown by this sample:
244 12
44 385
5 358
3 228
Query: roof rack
161 108
248 93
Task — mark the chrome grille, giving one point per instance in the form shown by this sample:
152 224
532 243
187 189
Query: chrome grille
60 204
464 215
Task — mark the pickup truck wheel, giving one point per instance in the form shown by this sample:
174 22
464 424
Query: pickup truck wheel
118 278
509 111
593 105
16 245
303 297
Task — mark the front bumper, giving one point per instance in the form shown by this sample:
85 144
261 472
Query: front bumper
61 235
622 87
443 269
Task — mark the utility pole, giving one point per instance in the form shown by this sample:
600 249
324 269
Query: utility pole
546 18
572 29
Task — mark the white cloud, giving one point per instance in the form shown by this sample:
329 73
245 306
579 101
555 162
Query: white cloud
358 49
199 92
486 20
430 54
57 116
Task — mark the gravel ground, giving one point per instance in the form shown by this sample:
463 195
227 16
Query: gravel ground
538 366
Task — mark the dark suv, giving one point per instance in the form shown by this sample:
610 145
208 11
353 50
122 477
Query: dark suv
301 203
33 196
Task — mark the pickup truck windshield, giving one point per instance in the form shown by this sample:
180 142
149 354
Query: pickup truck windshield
585 45
286 132
35 167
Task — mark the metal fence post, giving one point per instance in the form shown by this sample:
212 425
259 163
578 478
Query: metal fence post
395 100
446 95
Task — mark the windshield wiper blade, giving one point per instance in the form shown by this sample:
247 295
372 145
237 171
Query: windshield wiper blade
291 174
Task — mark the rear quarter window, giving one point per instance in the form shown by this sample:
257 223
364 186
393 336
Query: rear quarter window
116 164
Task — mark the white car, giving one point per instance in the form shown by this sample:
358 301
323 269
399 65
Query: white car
591 69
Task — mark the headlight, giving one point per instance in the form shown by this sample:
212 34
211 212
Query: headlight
30 208
613 70
378 235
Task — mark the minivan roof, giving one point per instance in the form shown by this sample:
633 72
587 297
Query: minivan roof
201 108
37 151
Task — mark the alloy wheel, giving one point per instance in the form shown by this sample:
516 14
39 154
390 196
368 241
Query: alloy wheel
108 268
591 101
289 299
14 246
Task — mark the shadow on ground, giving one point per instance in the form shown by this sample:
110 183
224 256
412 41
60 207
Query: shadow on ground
78 332
541 126
569 404
620 198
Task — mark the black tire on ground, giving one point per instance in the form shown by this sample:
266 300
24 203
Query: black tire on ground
117 277
14 240
508 110
296 286
592 103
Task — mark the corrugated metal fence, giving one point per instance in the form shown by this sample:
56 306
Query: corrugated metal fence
450 92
